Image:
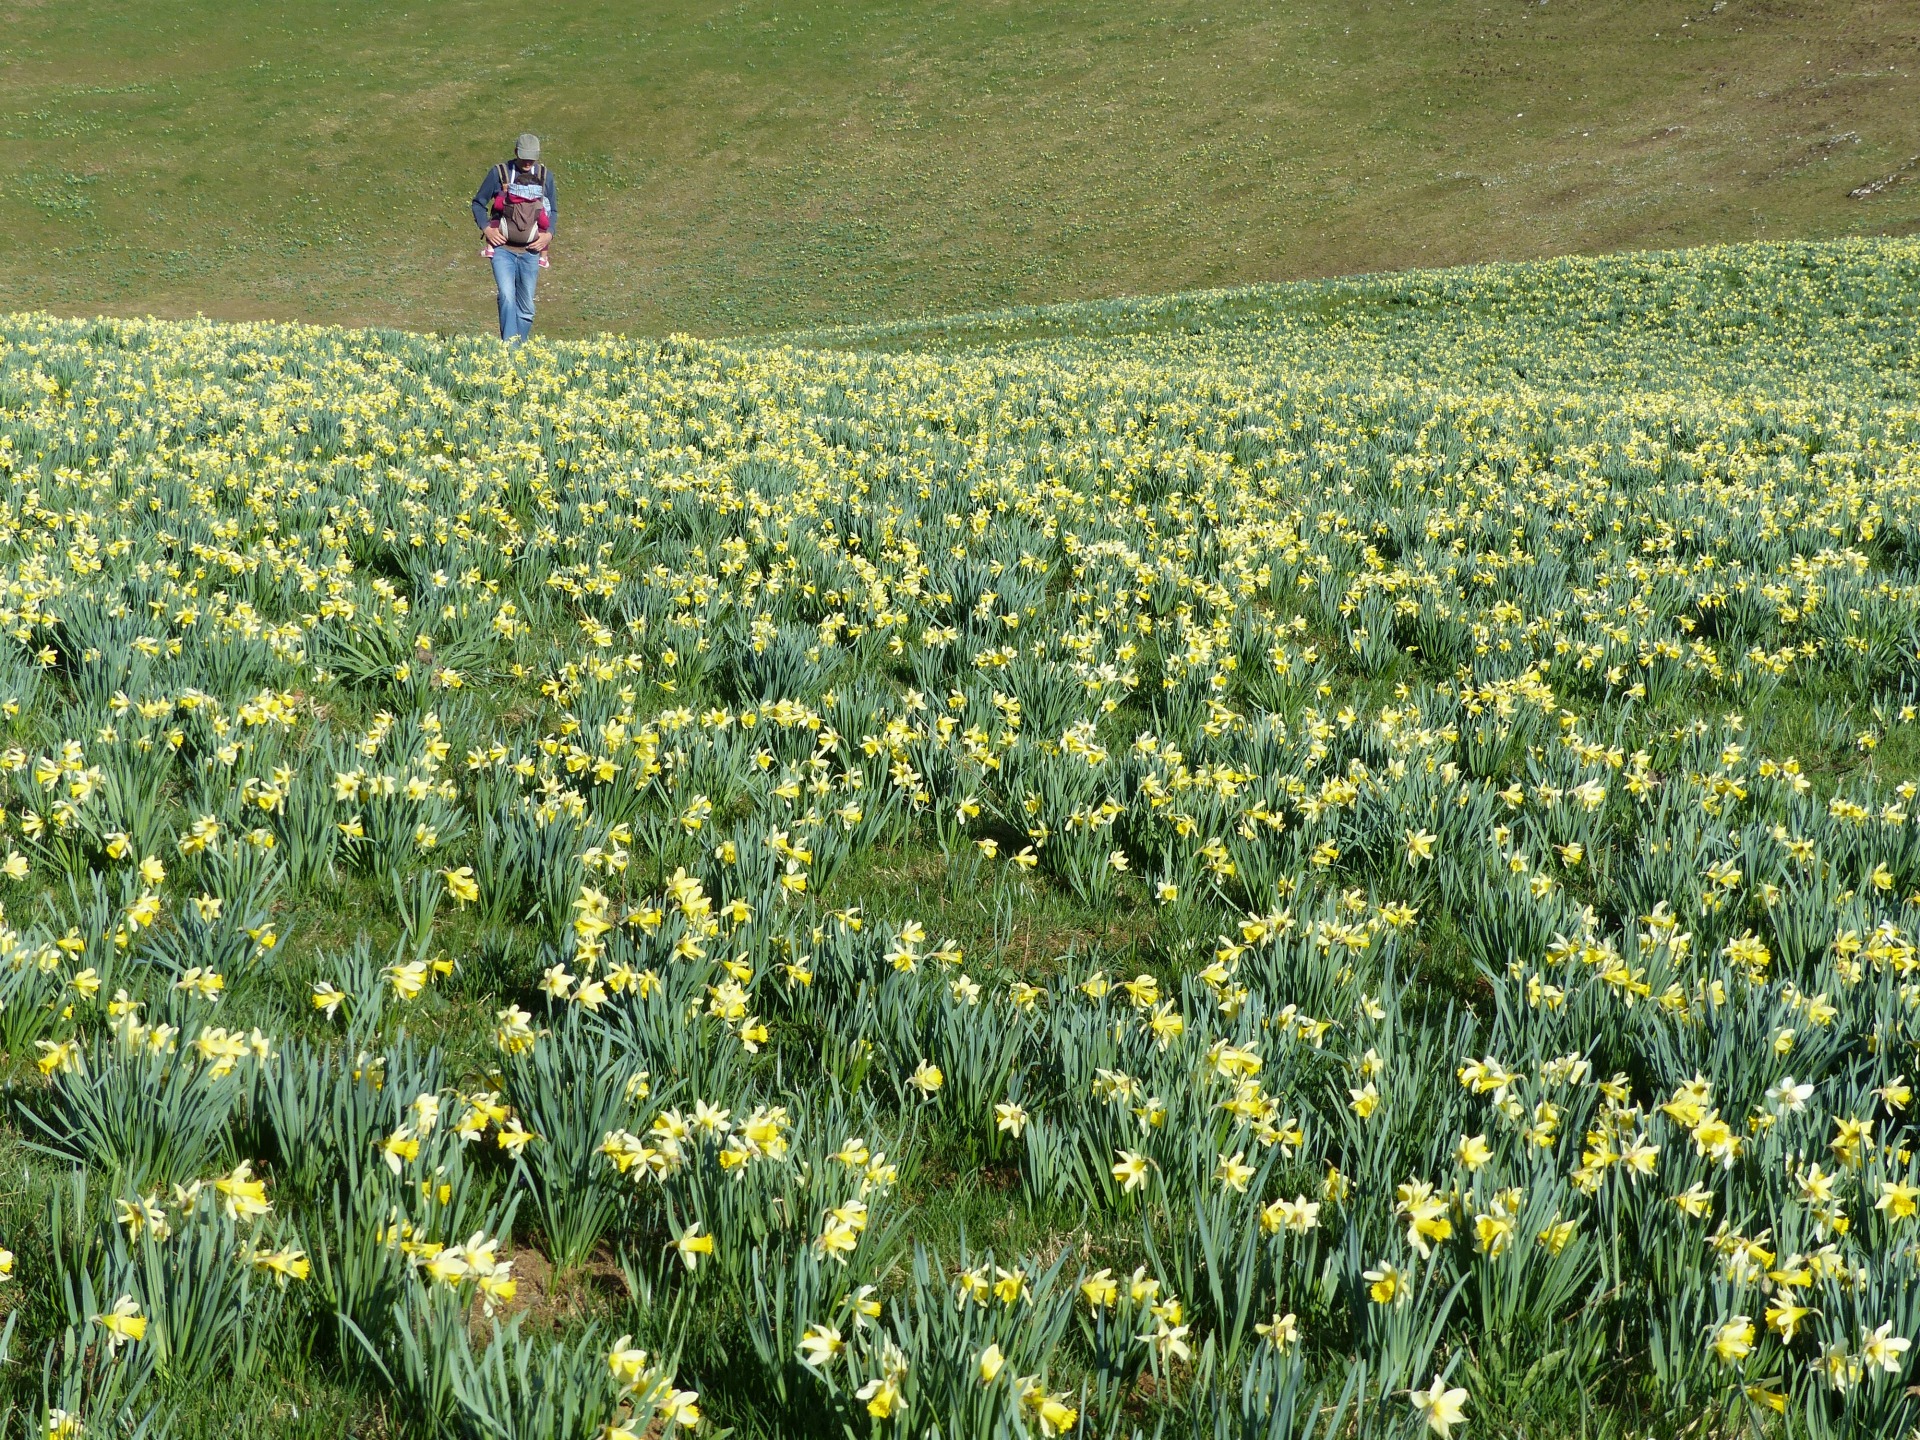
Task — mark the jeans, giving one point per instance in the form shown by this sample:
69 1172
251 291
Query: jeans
515 273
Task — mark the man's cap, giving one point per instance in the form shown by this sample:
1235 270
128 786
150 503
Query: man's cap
527 147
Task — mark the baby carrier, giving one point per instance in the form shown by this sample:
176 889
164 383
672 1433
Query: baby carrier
520 209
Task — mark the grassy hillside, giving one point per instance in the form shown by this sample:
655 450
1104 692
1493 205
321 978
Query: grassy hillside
759 165
1282 863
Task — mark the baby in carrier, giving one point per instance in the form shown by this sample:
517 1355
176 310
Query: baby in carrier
520 208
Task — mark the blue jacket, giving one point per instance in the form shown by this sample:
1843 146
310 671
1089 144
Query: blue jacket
490 187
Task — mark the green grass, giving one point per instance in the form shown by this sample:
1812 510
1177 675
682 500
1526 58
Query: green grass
761 166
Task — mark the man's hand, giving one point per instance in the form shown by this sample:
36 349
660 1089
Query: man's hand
494 235
540 242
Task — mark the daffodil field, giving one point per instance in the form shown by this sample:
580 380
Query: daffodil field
1298 863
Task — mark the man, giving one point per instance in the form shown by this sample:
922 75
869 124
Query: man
515 209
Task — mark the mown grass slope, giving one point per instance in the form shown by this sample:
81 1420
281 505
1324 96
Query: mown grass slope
758 166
